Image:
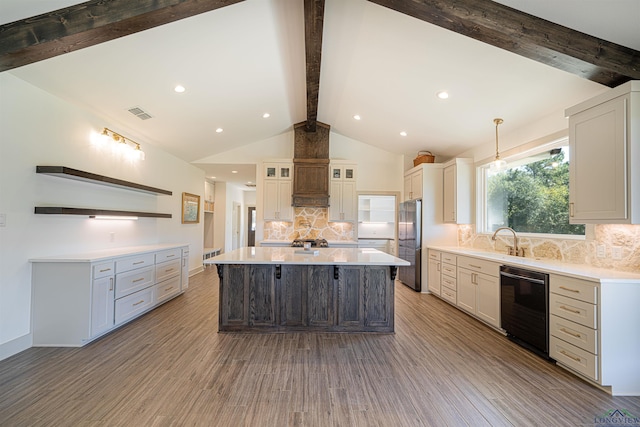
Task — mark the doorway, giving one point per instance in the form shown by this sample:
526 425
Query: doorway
251 226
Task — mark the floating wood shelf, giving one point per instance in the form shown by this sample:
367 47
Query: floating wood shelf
55 210
65 172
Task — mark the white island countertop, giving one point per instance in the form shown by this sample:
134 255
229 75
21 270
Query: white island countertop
320 256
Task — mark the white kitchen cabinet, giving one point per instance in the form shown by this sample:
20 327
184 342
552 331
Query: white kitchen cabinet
604 172
448 279
413 183
434 272
77 299
458 191
278 188
342 196
478 289
102 298
185 268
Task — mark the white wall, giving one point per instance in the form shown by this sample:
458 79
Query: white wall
39 129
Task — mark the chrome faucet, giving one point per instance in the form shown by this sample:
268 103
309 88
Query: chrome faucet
515 250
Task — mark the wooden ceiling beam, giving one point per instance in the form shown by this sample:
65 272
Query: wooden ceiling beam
90 23
569 50
313 24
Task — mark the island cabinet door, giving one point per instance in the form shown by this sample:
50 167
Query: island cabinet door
350 299
320 296
378 298
293 295
234 296
262 295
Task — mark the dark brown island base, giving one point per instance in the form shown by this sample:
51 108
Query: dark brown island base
323 290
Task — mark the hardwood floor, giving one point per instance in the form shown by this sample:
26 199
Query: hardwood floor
172 368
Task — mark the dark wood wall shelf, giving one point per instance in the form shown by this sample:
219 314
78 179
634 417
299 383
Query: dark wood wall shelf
69 173
56 210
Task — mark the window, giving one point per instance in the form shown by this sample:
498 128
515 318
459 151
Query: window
531 195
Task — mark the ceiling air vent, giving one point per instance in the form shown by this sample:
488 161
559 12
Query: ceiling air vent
140 113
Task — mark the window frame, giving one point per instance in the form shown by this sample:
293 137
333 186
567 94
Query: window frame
481 188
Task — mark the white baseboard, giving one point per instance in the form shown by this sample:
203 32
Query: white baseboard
15 346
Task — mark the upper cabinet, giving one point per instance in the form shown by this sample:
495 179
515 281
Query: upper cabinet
604 172
413 183
458 191
209 194
343 201
277 192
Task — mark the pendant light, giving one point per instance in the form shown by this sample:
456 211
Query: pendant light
498 163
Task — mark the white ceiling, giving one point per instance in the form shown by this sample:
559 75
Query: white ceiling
241 61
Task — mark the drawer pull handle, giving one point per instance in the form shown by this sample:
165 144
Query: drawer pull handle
138 262
138 280
168 289
106 269
577 359
569 289
475 266
138 303
169 256
168 270
569 310
566 331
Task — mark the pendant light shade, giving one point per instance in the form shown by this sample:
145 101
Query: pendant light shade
498 163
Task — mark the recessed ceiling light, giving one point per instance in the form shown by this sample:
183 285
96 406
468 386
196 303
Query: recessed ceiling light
357 117
219 130
212 177
266 115
234 171
179 89
443 94
403 133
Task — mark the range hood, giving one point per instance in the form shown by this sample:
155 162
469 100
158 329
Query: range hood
311 166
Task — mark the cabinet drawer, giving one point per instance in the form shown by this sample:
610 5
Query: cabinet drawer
168 269
578 335
131 262
479 265
449 270
449 295
132 305
168 255
103 269
450 282
167 289
185 252
132 281
571 309
574 288
449 258
573 357
434 255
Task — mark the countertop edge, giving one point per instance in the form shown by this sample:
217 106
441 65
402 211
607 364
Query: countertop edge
579 271
102 254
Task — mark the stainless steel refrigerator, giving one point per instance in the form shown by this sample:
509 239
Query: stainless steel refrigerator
410 243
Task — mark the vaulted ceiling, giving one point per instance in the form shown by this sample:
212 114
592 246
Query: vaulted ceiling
384 62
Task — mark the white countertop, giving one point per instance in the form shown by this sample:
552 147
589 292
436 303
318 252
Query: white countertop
93 256
288 255
581 271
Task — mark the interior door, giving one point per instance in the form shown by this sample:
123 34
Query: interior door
251 226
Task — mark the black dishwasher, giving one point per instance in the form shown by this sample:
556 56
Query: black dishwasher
524 308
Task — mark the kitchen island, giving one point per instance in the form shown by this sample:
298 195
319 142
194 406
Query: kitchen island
268 289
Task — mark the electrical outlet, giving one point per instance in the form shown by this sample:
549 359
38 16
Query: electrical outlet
112 236
616 252
601 251
3 220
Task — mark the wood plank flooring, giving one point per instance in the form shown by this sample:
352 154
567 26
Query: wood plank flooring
172 368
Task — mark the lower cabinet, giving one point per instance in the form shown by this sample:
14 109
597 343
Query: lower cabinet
478 289
434 272
306 297
77 301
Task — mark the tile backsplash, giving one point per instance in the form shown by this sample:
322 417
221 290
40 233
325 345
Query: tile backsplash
309 223
619 246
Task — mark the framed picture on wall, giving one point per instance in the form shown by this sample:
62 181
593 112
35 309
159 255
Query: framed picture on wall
190 208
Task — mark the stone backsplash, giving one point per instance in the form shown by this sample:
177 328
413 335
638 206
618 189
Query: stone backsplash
624 239
309 223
